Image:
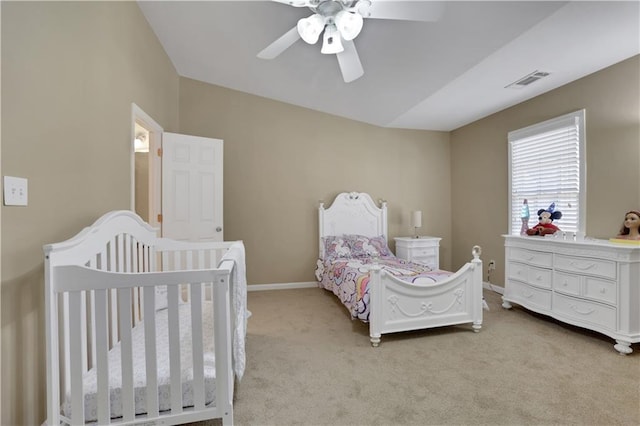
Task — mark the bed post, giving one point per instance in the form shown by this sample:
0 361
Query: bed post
51 318
477 288
222 349
321 228
375 308
383 218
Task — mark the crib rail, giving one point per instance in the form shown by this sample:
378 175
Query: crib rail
82 283
100 284
124 285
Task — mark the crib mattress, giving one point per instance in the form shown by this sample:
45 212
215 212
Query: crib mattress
139 367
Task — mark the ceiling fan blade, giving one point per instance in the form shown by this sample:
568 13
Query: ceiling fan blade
294 3
349 62
280 45
426 11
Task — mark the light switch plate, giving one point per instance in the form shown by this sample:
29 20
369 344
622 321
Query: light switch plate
15 191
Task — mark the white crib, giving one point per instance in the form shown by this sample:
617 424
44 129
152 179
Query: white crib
142 329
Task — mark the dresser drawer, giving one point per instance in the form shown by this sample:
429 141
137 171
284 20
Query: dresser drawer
517 271
427 260
584 311
589 287
417 243
566 283
539 277
423 251
528 296
531 257
602 290
585 265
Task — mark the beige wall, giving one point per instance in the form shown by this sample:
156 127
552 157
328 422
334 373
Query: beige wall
1 174
279 160
611 98
70 72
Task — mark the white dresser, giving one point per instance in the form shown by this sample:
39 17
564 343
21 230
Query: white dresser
593 284
424 250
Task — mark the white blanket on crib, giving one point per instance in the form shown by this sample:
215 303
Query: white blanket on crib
239 299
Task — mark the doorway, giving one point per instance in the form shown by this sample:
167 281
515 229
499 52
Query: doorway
176 181
146 136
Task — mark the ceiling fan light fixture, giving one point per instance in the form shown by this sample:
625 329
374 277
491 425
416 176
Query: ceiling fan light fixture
310 28
364 8
332 42
349 24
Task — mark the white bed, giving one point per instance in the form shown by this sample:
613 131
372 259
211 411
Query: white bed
141 329
382 290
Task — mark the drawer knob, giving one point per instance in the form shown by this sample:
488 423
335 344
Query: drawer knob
603 290
565 283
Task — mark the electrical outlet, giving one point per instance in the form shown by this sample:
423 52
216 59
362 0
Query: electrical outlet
492 265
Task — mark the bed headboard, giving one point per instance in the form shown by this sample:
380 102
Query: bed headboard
352 213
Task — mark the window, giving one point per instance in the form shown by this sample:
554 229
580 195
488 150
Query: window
547 165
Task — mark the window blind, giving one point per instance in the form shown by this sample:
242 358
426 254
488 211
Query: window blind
547 166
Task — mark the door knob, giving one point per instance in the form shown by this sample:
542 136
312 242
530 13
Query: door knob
218 229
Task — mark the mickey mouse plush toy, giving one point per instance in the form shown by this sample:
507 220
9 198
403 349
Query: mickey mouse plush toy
545 224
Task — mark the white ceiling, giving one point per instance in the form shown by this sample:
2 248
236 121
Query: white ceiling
417 75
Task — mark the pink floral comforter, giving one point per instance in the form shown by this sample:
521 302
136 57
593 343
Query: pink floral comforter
348 278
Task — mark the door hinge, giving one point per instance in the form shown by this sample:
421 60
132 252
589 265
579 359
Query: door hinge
159 152
160 218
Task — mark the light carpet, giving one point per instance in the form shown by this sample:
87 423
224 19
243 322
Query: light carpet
308 363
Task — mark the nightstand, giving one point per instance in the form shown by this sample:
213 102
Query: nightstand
424 250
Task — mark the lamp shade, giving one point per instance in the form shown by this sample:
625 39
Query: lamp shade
416 219
349 24
332 42
310 28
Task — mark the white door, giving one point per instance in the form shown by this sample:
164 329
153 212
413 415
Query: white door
191 188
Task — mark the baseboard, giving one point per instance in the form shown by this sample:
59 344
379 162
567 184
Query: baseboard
493 287
282 286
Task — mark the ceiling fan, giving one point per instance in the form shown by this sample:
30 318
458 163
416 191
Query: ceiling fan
341 21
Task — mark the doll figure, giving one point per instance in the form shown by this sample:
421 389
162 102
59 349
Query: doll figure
545 224
631 226
524 217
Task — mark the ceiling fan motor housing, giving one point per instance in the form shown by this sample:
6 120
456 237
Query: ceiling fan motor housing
336 19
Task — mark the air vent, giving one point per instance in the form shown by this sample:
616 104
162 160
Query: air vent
527 80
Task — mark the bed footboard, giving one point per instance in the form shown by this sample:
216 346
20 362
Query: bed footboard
397 305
